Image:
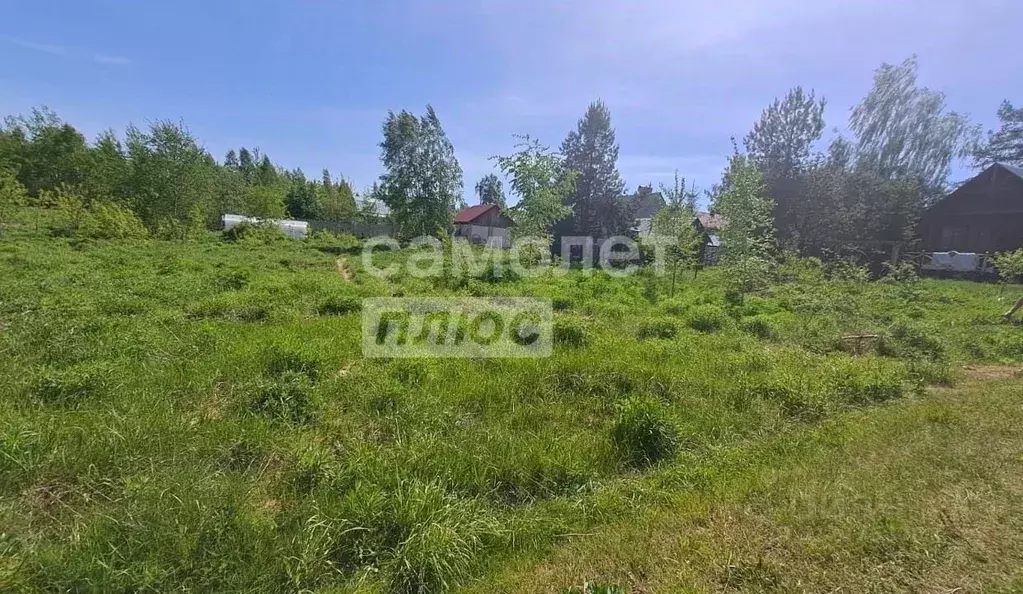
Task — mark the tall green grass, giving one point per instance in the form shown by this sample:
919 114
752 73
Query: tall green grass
197 415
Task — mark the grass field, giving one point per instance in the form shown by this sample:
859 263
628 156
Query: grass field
197 416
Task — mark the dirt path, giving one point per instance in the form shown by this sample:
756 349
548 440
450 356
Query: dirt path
342 269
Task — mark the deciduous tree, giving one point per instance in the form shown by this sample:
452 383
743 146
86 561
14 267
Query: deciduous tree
542 183
423 182
905 131
490 190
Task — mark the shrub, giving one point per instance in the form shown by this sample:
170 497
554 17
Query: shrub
870 388
561 303
286 398
259 233
642 436
663 328
68 386
760 326
1010 266
906 341
675 307
106 220
232 280
707 318
339 306
570 333
283 361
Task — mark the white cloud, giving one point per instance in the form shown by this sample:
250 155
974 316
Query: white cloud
67 52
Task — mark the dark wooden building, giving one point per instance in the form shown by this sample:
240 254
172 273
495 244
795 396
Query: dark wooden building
482 222
984 215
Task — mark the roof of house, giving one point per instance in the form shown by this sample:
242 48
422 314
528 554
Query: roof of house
645 202
711 222
996 190
470 214
1018 171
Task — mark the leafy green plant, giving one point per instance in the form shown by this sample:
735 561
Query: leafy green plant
339 306
663 328
760 326
1010 266
572 333
707 318
107 220
286 398
642 435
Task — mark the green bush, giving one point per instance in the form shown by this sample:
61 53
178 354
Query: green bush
760 326
674 307
643 436
904 340
570 333
232 280
281 361
339 306
1010 266
257 233
106 220
707 318
286 398
663 328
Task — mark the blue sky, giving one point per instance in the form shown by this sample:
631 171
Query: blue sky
309 81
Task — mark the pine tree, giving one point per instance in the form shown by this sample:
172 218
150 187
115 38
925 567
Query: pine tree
1005 145
591 151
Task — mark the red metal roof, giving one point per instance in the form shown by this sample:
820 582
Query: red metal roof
472 213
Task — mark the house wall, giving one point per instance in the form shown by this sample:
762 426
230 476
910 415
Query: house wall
984 215
972 233
482 233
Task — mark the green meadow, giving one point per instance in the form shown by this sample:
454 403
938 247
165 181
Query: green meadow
197 416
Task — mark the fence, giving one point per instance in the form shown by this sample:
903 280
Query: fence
358 229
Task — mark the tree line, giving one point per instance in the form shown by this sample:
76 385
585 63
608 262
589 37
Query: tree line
871 184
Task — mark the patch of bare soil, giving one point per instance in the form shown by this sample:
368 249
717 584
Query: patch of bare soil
342 269
987 373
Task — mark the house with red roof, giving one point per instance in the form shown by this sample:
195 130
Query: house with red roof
483 222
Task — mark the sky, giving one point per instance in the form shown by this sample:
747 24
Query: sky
310 81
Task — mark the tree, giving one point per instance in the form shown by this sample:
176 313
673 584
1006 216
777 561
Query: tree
781 141
591 150
12 194
231 160
55 154
674 228
489 190
748 234
171 175
336 200
781 144
246 164
423 182
542 182
905 132
108 176
1006 145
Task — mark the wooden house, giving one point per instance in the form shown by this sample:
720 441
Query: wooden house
482 222
985 214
